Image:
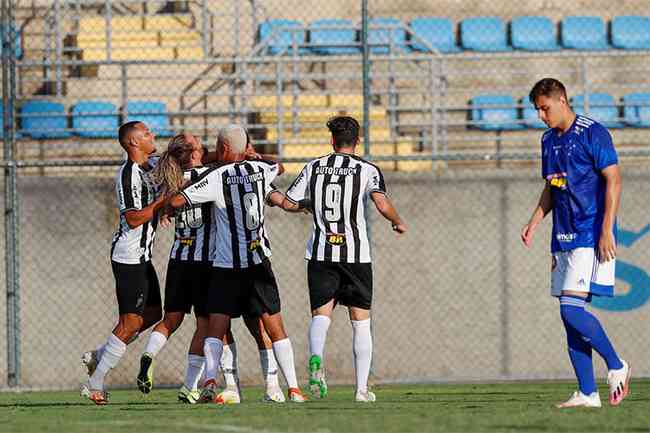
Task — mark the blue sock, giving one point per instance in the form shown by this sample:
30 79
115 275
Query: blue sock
572 310
580 355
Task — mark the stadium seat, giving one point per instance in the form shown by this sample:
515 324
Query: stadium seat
95 119
283 40
44 119
18 49
330 41
584 33
636 109
602 108
631 32
153 113
533 33
437 32
494 118
380 39
529 115
484 34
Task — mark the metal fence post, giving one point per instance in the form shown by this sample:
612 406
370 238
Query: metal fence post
366 77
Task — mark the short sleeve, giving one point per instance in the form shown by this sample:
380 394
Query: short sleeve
204 189
299 189
129 189
601 147
375 181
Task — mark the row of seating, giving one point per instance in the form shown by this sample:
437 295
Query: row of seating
490 34
502 112
40 119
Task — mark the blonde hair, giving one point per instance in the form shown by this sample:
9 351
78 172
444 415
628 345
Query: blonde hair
168 173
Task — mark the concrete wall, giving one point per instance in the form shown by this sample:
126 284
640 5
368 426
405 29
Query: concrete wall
457 298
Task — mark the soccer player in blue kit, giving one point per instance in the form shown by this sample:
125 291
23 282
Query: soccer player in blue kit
583 189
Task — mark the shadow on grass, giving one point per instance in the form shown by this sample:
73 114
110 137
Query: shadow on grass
79 404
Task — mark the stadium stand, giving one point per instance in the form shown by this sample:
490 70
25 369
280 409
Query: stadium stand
602 108
584 33
636 109
280 38
484 34
494 112
533 33
18 49
333 41
152 113
95 119
44 119
437 32
631 32
384 33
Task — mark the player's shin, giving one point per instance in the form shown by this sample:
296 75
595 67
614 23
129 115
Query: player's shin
362 346
113 352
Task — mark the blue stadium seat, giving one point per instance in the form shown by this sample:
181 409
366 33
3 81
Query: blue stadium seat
631 32
333 41
529 115
602 108
283 41
584 33
95 119
18 49
484 34
636 109
495 118
153 113
437 32
44 119
379 40
533 33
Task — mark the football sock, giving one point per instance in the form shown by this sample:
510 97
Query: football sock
580 355
155 343
572 310
284 355
362 346
114 349
213 347
229 364
195 365
269 368
318 334
99 352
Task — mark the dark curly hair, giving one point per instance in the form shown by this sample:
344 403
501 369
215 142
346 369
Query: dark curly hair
345 130
547 87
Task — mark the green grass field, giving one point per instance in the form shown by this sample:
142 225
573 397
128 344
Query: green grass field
435 408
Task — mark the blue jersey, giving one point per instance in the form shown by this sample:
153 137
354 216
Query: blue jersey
572 163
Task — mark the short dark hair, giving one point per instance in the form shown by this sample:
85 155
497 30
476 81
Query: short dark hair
125 130
345 130
547 87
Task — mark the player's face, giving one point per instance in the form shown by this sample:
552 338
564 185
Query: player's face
551 110
197 148
146 139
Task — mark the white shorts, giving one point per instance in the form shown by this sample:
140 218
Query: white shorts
579 270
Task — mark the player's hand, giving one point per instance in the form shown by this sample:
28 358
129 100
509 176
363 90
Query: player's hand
606 247
165 221
399 228
527 234
251 153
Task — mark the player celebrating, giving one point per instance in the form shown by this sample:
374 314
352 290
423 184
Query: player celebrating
136 283
242 280
335 187
583 188
188 272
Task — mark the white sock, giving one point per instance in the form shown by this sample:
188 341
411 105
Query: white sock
195 369
229 364
269 368
318 334
284 355
213 347
99 352
155 343
362 346
114 349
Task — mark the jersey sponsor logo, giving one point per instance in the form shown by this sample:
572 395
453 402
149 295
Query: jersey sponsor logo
249 178
335 239
566 237
189 241
254 245
337 171
201 184
558 180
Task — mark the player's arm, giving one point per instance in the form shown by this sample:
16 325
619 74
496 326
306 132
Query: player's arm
135 218
388 211
607 244
544 206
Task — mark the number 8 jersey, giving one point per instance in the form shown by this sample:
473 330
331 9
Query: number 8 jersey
238 192
338 185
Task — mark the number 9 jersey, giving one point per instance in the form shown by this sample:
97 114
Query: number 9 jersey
238 192
337 186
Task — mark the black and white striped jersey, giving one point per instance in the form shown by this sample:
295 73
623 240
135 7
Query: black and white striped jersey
238 192
195 231
338 185
135 190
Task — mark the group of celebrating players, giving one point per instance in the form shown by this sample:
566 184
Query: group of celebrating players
219 263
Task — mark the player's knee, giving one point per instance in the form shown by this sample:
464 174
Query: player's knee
173 321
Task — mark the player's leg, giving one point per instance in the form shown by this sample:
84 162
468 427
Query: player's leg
218 326
268 362
228 364
189 392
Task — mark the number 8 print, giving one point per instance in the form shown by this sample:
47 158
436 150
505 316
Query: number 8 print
251 204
